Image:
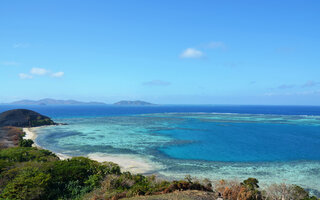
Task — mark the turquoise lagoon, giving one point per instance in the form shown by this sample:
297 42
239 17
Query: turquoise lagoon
272 148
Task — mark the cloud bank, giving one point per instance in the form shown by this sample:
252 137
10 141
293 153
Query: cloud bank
40 72
191 53
57 74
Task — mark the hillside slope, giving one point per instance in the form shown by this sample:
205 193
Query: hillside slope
24 118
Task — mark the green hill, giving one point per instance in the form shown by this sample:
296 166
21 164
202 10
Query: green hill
24 118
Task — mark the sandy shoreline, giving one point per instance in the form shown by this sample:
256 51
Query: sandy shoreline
29 134
126 162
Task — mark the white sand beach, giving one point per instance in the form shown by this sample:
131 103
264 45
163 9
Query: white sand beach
30 133
129 163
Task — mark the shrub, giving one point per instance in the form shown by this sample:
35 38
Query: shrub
30 183
285 191
31 173
78 175
4 164
227 189
251 183
24 154
26 143
249 190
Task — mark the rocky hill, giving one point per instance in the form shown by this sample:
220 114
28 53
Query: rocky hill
24 118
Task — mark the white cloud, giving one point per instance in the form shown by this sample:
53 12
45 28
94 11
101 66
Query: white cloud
9 63
39 71
191 53
57 74
157 83
25 76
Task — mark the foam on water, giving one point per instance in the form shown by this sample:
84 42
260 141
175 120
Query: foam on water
272 148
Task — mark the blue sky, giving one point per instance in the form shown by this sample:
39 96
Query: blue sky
170 52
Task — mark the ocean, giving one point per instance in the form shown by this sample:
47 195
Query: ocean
274 144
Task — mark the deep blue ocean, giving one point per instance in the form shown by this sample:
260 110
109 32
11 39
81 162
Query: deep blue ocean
107 110
272 143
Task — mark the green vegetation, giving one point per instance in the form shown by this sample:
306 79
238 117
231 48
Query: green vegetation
41 122
25 154
23 118
31 173
25 143
130 185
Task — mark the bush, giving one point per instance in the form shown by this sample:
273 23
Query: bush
78 175
285 191
26 143
233 190
31 173
249 190
30 183
24 154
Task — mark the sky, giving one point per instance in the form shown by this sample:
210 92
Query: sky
166 52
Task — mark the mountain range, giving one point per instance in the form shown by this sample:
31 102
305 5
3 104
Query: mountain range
133 103
49 101
54 102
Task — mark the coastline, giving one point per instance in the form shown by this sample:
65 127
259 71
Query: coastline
29 133
133 164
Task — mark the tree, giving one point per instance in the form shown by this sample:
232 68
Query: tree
25 143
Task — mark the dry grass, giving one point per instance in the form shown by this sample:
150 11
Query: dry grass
9 136
178 195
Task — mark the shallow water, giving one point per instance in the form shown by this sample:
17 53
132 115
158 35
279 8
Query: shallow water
272 148
272 143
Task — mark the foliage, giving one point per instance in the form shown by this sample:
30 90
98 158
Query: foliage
24 154
129 185
30 183
78 175
251 183
4 164
31 173
25 143
249 190
41 122
233 190
287 192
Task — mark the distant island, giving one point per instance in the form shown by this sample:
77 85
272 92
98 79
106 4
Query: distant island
48 101
133 103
